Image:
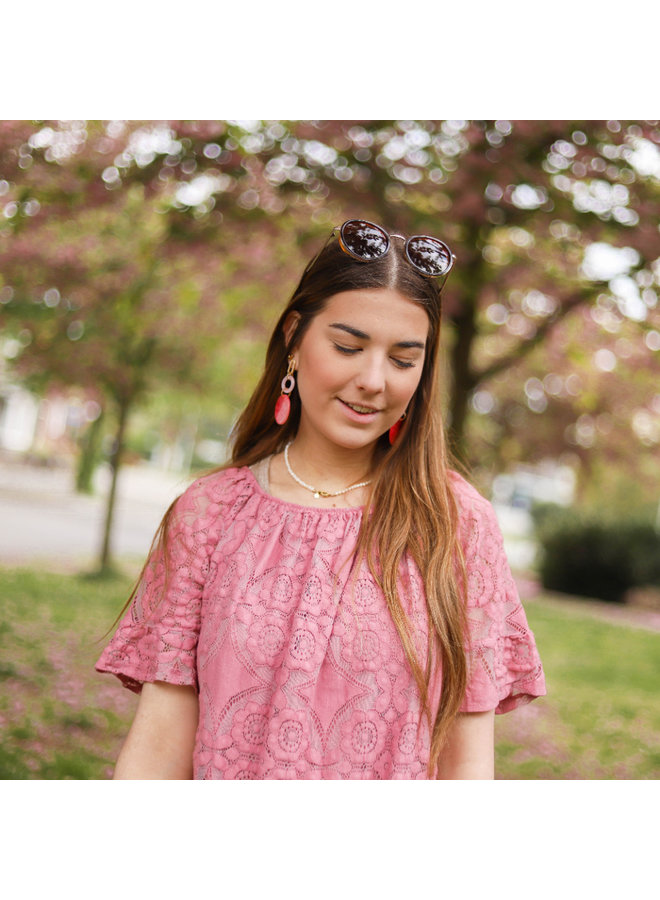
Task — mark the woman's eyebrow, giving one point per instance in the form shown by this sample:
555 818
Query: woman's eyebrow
404 345
350 330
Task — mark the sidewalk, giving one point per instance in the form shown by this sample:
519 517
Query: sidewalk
43 521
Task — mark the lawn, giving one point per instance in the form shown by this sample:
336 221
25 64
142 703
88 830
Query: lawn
601 718
59 719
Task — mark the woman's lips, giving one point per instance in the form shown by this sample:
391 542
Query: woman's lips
360 412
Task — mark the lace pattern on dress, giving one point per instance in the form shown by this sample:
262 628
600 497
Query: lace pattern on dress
299 667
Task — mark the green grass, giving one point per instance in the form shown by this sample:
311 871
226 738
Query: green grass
601 718
60 719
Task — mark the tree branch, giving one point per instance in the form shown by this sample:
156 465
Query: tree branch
524 348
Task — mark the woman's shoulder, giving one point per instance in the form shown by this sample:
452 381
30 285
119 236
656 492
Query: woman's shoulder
478 526
219 487
469 499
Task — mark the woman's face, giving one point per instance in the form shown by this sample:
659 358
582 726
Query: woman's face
358 366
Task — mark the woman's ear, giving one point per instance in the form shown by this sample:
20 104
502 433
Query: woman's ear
289 328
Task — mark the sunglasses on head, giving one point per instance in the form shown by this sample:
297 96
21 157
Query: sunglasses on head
365 241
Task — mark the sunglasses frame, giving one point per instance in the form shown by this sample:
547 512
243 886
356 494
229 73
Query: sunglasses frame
339 231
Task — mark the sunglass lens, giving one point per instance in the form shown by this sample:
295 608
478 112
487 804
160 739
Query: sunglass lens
364 240
429 255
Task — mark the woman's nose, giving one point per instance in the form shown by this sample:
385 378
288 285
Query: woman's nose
371 374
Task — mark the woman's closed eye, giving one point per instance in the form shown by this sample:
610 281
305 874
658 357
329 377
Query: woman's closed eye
350 351
347 350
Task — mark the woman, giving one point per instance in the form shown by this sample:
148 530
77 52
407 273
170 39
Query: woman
279 630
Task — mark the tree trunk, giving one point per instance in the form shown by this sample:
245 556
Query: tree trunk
106 563
464 322
89 455
463 382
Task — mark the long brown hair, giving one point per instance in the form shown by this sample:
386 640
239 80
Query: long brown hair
414 510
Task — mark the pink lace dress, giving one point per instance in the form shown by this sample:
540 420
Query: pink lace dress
300 672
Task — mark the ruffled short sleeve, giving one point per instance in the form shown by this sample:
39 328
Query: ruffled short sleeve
157 638
504 668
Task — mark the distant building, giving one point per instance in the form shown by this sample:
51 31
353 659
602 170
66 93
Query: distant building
47 427
19 415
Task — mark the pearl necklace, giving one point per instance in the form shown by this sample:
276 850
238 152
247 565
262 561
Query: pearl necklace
317 493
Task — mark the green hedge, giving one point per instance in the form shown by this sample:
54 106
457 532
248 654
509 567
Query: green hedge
595 557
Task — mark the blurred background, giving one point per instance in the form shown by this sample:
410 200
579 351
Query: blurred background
142 267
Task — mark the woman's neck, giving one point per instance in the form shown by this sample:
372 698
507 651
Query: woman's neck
321 468
328 466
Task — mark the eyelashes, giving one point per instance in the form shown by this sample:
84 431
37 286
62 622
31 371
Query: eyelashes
351 351
402 363
347 351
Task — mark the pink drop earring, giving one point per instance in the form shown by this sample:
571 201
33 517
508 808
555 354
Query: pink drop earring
396 428
283 405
